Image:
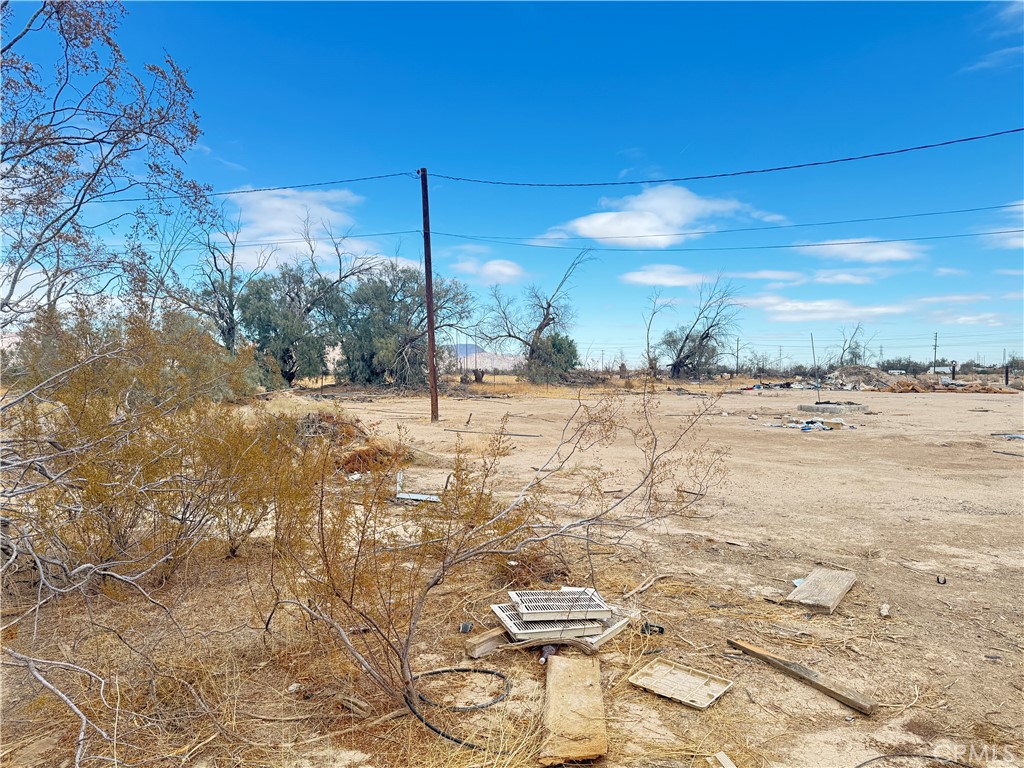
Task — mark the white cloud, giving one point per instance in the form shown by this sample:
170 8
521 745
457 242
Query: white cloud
783 310
276 218
768 274
1009 219
950 272
1010 272
1013 296
666 275
985 318
492 272
865 250
1004 58
654 217
958 298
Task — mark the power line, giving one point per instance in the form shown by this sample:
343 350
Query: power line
730 174
411 174
835 244
759 229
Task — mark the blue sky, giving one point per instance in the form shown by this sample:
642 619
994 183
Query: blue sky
294 93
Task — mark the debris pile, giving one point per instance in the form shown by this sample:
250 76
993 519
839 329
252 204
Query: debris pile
553 615
904 387
860 377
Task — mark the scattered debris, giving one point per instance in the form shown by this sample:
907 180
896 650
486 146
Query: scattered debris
412 496
883 611
485 643
520 629
836 690
721 760
482 432
548 605
652 629
466 627
574 718
1008 453
547 652
678 682
823 589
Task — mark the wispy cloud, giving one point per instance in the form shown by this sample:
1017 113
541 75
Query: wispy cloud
950 272
1009 218
782 310
1010 272
654 217
863 276
865 250
768 274
991 319
1013 296
491 272
208 151
1004 58
664 275
957 298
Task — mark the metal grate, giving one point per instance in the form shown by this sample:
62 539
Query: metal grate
543 630
539 605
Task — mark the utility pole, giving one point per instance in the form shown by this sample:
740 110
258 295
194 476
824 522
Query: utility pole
935 355
737 357
428 269
780 361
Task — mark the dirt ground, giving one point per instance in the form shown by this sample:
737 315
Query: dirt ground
913 496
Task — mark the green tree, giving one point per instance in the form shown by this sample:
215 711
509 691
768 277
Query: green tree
555 355
382 325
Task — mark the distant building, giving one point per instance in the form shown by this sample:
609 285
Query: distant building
897 373
942 369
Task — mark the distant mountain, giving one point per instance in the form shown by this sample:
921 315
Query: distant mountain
465 350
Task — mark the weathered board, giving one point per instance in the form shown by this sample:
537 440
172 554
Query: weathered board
836 690
485 643
823 589
574 720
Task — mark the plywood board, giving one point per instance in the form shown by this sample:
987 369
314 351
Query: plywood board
823 589
574 720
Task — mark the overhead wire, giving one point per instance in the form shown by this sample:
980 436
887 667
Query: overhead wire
279 188
694 232
730 174
620 182
689 233
834 244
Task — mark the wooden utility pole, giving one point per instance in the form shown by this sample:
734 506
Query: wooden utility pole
428 269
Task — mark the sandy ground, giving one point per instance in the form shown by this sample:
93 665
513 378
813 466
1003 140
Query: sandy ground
915 495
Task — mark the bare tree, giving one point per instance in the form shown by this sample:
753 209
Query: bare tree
75 140
695 345
219 280
854 348
540 314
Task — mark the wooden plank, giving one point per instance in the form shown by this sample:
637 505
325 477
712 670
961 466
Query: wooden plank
836 690
573 711
823 589
485 643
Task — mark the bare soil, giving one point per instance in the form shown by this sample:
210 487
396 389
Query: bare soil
916 500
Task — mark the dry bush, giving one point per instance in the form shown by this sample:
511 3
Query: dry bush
365 567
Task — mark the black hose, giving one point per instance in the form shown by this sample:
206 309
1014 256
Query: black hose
466 670
463 670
